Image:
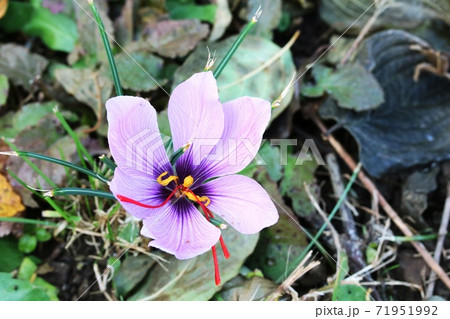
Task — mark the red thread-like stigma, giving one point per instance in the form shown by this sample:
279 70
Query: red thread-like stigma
216 266
132 201
226 253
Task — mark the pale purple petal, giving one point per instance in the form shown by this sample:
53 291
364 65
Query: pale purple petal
242 202
195 115
138 188
181 230
246 119
134 137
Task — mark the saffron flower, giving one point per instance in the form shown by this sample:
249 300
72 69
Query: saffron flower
215 142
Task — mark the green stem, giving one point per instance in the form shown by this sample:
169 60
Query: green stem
27 221
107 46
59 162
216 222
236 44
66 169
175 156
80 191
324 226
108 162
32 165
111 213
406 239
80 148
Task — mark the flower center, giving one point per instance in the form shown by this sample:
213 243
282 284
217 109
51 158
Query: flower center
183 189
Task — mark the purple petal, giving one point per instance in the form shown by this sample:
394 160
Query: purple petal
138 188
195 115
180 230
134 137
246 118
242 202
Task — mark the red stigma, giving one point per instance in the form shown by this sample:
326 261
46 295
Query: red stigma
132 201
216 266
226 253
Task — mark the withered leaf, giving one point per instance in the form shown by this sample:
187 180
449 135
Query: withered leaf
412 126
10 203
19 65
173 38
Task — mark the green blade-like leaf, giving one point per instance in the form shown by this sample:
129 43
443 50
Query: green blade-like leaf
59 162
80 191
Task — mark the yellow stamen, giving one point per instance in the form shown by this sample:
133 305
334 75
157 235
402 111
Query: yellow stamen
188 181
166 181
205 199
190 196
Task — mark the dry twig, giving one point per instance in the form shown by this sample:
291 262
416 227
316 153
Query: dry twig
293 277
334 233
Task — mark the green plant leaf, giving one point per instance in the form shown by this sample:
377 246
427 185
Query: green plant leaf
29 115
43 235
269 158
57 31
50 290
349 292
17 15
89 49
163 123
4 89
27 243
86 85
44 138
19 65
171 38
188 9
293 187
267 84
129 231
27 269
351 85
131 272
133 77
10 257
20 290
398 14
269 19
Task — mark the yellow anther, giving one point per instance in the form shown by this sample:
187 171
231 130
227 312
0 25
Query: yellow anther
166 181
190 196
186 146
205 199
194 198
188 181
